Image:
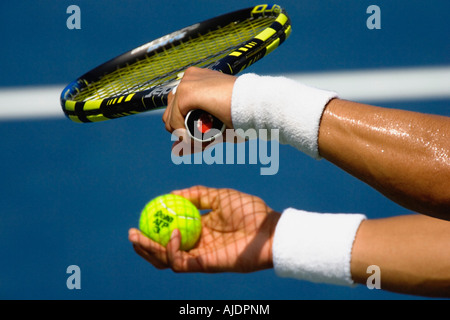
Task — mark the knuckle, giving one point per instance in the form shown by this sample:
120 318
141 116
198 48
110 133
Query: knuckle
176 265
168 126
190 71
159 267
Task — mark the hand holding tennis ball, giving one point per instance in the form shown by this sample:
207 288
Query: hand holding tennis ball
236 236
168 212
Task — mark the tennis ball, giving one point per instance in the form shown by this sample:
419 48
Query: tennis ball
168 212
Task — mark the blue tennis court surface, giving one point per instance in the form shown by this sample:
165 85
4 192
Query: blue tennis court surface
69 192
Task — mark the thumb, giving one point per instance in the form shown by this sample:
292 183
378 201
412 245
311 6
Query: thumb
174 254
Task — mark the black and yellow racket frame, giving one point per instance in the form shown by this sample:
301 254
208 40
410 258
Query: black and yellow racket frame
94 110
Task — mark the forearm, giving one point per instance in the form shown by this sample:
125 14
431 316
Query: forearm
404 155
412 252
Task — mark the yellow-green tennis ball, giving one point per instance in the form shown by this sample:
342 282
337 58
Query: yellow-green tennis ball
168 212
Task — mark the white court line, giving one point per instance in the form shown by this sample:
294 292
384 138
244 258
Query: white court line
373 86
383 85
30 102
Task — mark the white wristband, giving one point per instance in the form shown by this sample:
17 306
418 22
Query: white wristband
315 246
264 102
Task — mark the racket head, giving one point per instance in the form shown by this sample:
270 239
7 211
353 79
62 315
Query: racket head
141 79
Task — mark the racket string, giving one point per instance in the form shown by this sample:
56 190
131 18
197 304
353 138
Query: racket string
163 66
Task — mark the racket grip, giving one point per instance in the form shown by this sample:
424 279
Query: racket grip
202 126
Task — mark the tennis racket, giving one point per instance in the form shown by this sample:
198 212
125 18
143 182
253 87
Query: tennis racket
141 79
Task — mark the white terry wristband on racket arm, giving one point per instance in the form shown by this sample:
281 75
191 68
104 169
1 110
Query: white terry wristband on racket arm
265 102
315 247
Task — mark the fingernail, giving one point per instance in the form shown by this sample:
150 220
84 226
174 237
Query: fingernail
132 235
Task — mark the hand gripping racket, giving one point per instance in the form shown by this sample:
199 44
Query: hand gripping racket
141 79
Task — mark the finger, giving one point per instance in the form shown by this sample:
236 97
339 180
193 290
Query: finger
146 256
172 117
170 101
175 118
171 96
202 197
174 255
165 115
166 118
179 261
153 250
